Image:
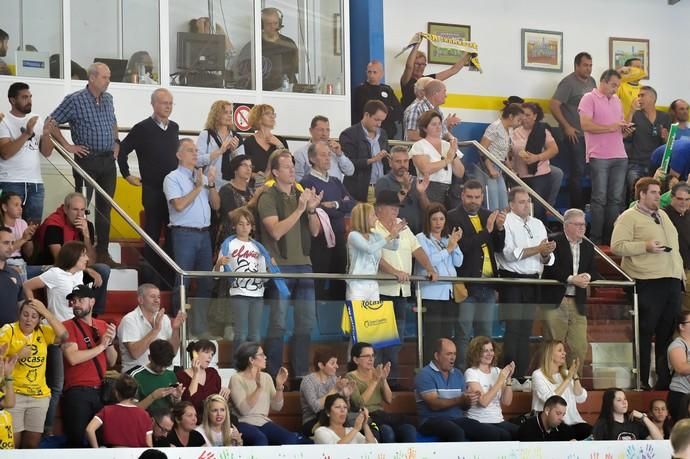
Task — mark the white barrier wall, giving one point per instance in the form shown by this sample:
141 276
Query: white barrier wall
511 450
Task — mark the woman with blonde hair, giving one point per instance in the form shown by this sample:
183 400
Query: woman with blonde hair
216 426
217 144
554 378
364 251
260 145
493 385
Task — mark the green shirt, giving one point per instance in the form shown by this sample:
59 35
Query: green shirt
375 402
268 207
149 381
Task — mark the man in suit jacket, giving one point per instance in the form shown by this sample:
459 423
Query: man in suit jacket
482 235
366 144
565 309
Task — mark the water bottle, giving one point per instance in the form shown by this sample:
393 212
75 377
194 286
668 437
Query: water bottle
338 89
285 87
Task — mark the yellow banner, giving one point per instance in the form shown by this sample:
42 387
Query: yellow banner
372 322
448 43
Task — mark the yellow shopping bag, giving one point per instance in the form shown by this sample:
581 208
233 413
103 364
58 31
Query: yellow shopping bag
372 322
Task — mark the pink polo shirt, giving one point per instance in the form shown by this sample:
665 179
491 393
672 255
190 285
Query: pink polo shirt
603 110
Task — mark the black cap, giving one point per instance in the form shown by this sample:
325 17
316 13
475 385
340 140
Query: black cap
81 291
235 163
387 198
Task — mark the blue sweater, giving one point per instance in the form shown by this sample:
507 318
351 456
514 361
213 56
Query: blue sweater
333 190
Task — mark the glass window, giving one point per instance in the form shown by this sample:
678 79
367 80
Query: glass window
302 46
211 43
124 35
31 43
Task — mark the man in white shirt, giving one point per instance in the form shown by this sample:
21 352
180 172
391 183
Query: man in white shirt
320 131
525 252
22 136
145 324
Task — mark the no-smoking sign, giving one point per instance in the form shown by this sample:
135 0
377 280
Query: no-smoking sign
241 117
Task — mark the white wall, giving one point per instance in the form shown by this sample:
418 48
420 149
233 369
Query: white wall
586 26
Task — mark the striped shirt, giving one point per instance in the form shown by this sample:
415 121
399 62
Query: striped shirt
430 379
92 122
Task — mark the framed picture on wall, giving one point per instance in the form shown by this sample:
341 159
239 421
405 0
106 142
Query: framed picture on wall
622 49
542 50
446 56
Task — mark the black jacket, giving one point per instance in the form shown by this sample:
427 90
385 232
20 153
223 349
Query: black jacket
563 267
471 242
356 147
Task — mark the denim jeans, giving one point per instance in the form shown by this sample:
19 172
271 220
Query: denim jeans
101 167
476 318
32 195
192 251
462 429
246 318
304 303
547 186
635 172
496 193
608 193
102 291
278 435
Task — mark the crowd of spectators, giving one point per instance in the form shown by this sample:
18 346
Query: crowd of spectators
355 205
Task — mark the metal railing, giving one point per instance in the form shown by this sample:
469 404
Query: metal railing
381 277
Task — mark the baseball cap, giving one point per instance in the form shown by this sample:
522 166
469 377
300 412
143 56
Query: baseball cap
81 291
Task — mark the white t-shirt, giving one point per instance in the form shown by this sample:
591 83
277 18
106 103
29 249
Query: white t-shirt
325 436
245 257
134 327
60 283
25 165
491 414
424 147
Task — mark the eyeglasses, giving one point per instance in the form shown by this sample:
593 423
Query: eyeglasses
162 428
656 219
578 224
529 231
261 354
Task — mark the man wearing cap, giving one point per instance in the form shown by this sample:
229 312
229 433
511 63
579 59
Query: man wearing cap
320 131
88 353
146 323
399 263
190 196
155 141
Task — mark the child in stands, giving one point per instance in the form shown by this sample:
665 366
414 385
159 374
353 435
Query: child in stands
241 253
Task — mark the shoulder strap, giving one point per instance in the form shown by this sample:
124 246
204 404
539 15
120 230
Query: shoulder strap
89 345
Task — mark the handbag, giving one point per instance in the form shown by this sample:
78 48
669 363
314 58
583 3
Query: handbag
372 322
107 388
460 293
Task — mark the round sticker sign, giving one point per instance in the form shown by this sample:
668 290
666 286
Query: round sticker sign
241 118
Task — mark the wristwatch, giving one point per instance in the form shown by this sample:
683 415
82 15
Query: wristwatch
210 186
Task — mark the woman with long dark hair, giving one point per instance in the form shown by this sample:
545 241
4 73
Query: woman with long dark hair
441 246
615 423
658 413
532 148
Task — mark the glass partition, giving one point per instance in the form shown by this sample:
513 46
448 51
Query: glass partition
124 35
302 46
31 43
207 42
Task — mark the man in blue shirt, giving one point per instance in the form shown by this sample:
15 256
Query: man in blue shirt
441 399
188 194
93 126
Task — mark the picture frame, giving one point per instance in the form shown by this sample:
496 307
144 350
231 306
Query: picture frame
446 56
622 49
542 50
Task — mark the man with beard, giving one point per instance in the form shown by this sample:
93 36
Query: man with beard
410 189
679 114
88 352
22 136
483 235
